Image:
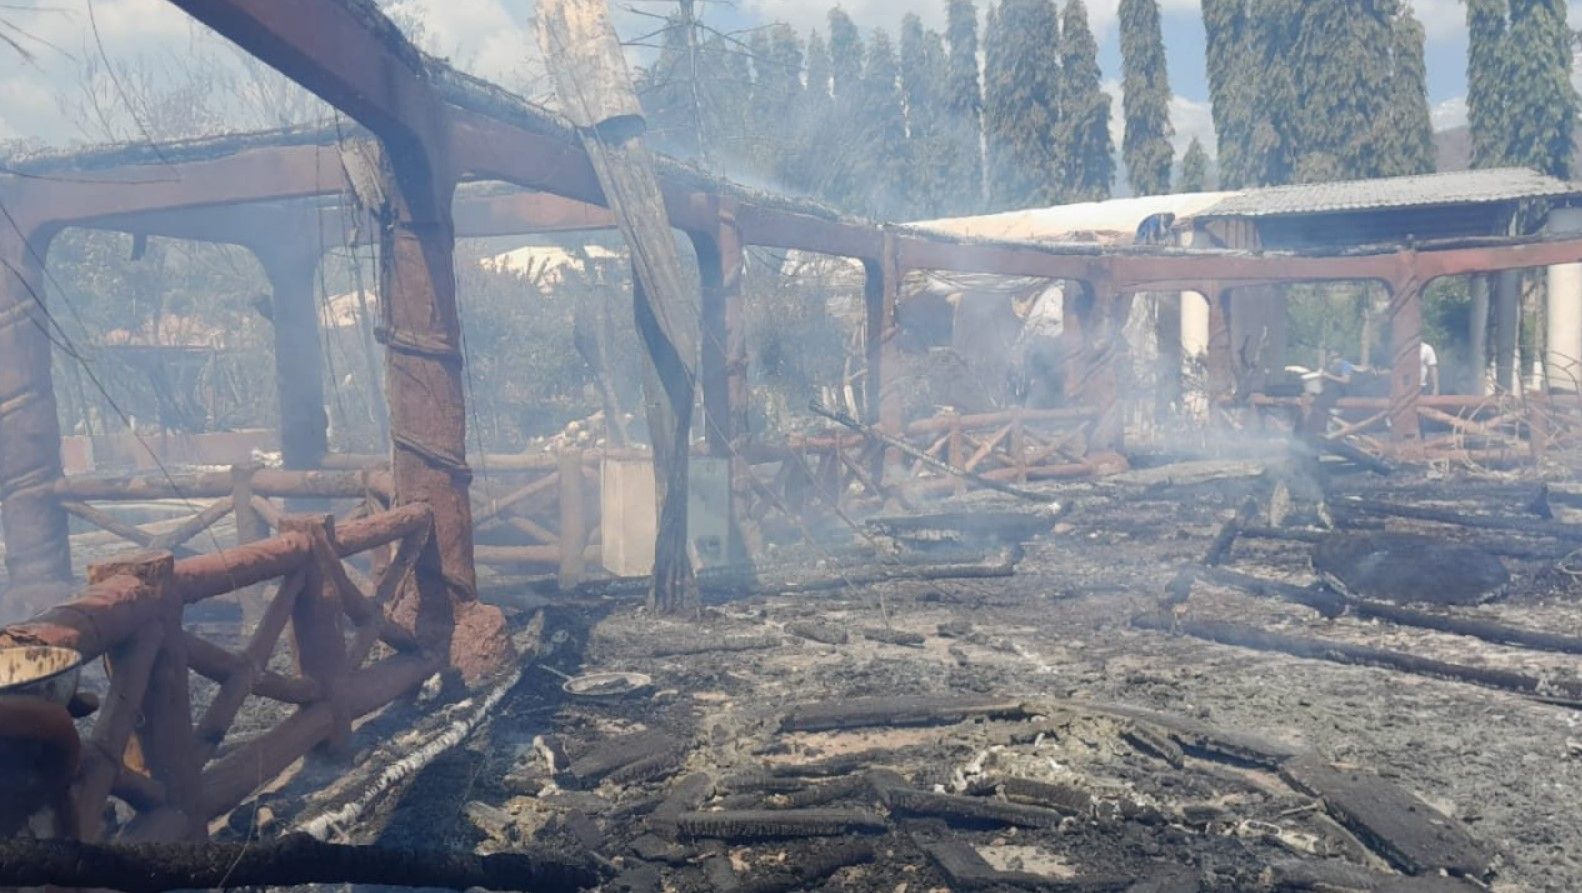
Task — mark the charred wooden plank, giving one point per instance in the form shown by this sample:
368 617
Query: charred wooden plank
1199 739
1487 630
971 811
965 869
1411 835
1326 602
774 824
819 632
1339 877
807 870
827 793
619 753
1561 692
1066 798
916 710
894 637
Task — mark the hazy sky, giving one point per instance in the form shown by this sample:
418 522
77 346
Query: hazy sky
492 38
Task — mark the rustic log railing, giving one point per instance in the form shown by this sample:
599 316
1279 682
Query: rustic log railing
1457 428
171 763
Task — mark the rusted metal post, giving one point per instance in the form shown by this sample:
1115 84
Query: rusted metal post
421 331
164 734
881 389
299 360
38 552
573 520
723 361
1406 338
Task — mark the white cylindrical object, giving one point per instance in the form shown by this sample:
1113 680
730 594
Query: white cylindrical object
1194 325
1563 356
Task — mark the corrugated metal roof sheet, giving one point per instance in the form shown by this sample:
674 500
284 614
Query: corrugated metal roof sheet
1431 190
1108 223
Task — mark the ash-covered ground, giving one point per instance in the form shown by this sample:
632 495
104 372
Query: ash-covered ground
1022 732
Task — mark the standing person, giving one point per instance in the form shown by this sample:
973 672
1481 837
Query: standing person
1428 362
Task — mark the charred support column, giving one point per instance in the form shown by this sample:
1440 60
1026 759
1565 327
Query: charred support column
38 552
1104 317
723 360
881 389
1507 330
1406 338
1478 333
299 356
1221 348
421 331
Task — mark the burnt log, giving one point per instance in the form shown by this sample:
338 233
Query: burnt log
898 711
288 862
1532 526
1561 692
775 824
1400 567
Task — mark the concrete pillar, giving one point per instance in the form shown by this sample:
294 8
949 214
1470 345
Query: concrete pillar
1563 357
299 354
1194 325
38 551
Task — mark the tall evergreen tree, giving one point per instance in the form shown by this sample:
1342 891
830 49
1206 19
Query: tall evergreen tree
1232 87
964 109
1406 138
881 163
1340 66
1272 30
1194 168
1542 128
1146 98
665 90
809 157
845 54
1021 113
1089 150
1486 106
923 86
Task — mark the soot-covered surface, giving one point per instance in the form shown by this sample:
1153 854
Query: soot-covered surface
1150 761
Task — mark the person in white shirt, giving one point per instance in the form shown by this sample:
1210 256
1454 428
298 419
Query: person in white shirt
1428 363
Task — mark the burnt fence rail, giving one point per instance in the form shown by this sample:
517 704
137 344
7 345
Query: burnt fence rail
172 765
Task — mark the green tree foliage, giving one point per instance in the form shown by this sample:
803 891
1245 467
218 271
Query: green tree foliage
1022 104
1340 64
1406 137
964 109
1194 168
929 141
1231 87
880 163
805 168
1088 149
1273 29
1521 104
777 98
1486 107
1542 102
1146 97
845 53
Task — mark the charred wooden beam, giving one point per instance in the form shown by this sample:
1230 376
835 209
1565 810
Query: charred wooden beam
291 861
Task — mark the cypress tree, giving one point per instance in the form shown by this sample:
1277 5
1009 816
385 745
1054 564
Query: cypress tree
1021 113
1146 97
1089 150
1194 168
1340 68
923 86
963 109
845 53
1231 86
665 92
1486 106
809 155
725 83
881 162
1543 104
777 92
1272 30
1406 141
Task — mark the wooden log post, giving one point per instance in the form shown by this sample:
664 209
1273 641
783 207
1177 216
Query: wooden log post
956 451
318 633
38 555
589 70
421 331
1221 363
291 267
164 733
882 388
723 364
1102 318
250 528
573 520
1406 338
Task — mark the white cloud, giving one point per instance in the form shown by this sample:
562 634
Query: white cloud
1450 114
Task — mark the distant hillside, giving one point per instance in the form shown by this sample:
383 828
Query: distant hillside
1455 148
